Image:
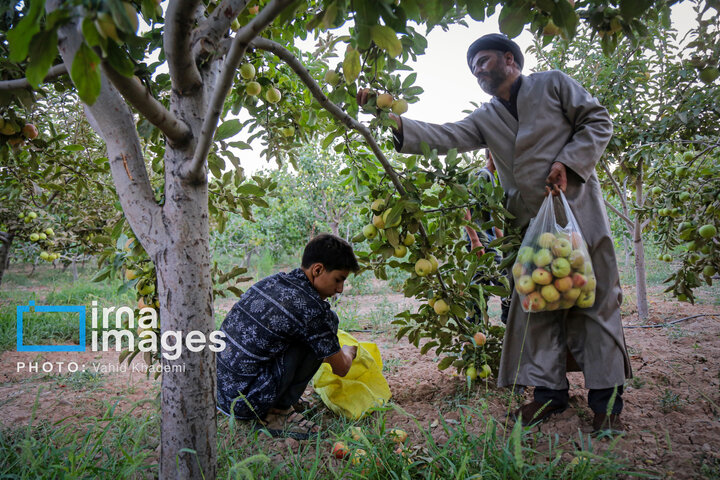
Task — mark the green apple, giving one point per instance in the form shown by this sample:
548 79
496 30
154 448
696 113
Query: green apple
400 251
546 240
331 77
434 262
247 71
253 88
550 293
542 257
378 205
423 267
525 255
45 255
408 239
441 307
525 284
49 232
385 216
399 106
560 267
369 231
577 259
378 221
485 371
130 275
34 237
518 270
707 231
384 101
32 215
586 300
288 131
43 236
589 285
273 95
471 372
709 271
561 247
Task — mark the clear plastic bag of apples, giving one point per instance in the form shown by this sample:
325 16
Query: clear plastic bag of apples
553 269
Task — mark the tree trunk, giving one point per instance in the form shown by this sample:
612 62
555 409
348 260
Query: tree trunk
185 293
626 247
6 240
335 227
74 268
640 281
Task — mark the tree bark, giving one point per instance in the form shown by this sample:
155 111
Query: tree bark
640 273
6 240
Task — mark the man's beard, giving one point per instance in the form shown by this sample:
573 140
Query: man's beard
491 81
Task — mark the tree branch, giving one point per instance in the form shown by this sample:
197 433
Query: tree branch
139 96
179 22
111 117
339 114
194 170
619 213
206 37
54 72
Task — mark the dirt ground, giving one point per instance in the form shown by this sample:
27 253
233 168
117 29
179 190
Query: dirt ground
671 406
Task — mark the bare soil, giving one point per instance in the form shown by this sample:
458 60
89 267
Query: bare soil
671 406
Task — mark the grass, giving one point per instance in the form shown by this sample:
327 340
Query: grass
123 445
47 328
110 446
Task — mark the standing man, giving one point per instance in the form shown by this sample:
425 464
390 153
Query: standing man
544 130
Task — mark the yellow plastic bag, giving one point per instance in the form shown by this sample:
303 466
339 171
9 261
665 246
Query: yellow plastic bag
362 388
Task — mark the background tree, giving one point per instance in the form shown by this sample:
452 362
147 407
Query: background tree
176 120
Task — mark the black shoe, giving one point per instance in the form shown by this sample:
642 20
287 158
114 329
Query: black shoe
535 412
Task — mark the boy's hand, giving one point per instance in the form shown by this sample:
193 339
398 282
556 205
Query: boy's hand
351 351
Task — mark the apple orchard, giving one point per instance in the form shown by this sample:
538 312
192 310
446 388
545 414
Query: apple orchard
162 167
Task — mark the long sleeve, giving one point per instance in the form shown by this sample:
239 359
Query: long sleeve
463 135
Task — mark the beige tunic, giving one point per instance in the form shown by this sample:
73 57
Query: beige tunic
558 121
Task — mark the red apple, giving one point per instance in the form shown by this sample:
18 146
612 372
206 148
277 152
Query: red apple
576 240
541 276
563 284
579 280
533 302
340 450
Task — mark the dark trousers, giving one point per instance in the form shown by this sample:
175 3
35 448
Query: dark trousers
299 366
598 399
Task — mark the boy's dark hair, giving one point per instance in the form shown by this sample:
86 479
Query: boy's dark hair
333 252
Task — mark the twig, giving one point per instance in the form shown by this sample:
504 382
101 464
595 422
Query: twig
54 72
667 324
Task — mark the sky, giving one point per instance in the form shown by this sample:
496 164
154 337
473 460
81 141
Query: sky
443 73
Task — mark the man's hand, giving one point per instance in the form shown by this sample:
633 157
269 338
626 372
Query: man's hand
365 94
556 180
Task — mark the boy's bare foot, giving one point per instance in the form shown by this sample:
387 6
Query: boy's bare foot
288 423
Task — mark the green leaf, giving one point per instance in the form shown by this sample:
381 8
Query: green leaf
92 37
445 363
386 38
351 65
565 17
119 60
476 10
85 74
43 51
20 37
425 348
228 129
633 8
513 19
240 145
250 189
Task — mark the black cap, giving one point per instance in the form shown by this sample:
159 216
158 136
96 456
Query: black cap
495 41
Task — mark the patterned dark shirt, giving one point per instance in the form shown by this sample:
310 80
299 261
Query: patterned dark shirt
275 313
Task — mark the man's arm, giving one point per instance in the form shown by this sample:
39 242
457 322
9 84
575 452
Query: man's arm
592 129
474 239
341 361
